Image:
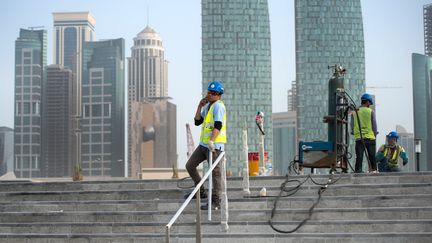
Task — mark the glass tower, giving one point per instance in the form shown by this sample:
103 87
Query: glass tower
427 25
102 126
422 95
236 51
30 63
327 33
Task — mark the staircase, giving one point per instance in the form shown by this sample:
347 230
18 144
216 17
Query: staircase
386 207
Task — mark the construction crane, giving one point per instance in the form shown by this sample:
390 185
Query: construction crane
36 27
384 87
190 141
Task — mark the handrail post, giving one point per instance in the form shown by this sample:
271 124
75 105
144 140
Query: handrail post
210 185
167 235
192 194
224 196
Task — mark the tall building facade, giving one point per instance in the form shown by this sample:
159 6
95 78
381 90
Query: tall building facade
284 141
58 134
406 140
236 50
30 63
422 101
427 25
327 33
147 83
102 123
6 149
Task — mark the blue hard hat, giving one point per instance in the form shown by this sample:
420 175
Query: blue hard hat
216 86
367 97
393 134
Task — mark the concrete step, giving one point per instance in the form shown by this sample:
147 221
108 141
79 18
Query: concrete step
233 182
366 213
333 190
218 238
416 200
236 227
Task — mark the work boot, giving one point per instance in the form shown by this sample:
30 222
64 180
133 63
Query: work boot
203 194
215 205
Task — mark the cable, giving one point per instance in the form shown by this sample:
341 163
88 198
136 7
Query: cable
310 211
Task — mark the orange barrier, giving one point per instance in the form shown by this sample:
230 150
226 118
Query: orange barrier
253 159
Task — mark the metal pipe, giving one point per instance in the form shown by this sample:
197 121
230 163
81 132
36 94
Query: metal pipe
187 201
198 217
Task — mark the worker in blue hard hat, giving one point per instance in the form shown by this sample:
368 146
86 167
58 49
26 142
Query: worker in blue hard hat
211 115
364 129
389 154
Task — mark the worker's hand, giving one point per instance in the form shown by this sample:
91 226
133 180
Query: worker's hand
211 146
405 162
203 102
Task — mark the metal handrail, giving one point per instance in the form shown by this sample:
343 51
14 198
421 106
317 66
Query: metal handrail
195 191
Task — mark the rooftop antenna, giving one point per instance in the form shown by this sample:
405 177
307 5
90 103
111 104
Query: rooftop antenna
148 15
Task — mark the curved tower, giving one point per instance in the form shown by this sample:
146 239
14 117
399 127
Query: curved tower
236 51
327 33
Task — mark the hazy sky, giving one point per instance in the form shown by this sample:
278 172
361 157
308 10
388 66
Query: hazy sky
393 30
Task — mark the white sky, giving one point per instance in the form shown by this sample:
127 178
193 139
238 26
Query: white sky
393 30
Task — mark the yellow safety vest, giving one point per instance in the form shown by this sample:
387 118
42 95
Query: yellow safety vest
395 156
365 116
207 126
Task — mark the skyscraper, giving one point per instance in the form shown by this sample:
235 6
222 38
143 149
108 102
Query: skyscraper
6 149
422 101
30 63
58 134
148 83
284 141
71 32
147 67
236 50
102 126
327 33
427 25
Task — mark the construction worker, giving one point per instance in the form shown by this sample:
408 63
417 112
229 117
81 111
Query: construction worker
389 153
365 130
212 116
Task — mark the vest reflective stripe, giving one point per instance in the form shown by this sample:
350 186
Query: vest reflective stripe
395 156
207 127
365 116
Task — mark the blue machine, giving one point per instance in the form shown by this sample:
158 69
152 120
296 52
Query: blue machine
315 154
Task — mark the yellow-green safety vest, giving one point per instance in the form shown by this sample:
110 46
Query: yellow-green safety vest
207 126
365 116
393 160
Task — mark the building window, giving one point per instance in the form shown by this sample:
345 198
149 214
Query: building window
26 108
107 110
96 110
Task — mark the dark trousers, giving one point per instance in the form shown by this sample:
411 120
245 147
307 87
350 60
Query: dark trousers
383 166
198 156
360 149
